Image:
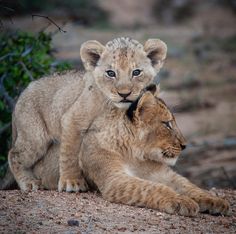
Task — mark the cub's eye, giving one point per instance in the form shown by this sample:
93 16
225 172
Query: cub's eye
136 72
111 73
168 124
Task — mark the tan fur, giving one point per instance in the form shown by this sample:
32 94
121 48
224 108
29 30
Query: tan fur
127 159
60 108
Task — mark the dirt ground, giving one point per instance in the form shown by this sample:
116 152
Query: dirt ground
53 212
199 82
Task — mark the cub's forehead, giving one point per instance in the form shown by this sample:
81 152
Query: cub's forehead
125 53
123 43
163 110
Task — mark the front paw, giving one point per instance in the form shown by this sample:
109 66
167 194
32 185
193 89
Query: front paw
30 185
213 205
181 205
72 184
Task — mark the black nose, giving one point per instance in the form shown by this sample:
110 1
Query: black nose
182 146
124 95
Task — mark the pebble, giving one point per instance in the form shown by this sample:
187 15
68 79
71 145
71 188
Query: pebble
73 222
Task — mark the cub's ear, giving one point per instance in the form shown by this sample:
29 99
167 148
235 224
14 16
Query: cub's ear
90 53
154 89
146 108
156 51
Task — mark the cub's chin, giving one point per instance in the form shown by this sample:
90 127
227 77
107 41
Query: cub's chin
158 156
170 158
122 105
170 161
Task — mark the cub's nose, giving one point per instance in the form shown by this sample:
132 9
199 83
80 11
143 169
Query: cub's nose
124 95
182 146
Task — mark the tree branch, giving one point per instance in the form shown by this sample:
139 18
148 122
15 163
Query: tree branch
4 128
8 9
6 55
26 70
10 101
49 19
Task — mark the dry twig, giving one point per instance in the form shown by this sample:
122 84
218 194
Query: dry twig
9 100
4 128
26 70
89 227
50 20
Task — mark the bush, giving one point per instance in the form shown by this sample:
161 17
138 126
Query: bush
23 58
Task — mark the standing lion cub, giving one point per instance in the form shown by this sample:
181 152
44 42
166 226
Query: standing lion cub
60 108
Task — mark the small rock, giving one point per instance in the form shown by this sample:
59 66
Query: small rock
122 229
73 222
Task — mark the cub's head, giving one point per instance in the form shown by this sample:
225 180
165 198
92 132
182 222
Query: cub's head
159 137
123 67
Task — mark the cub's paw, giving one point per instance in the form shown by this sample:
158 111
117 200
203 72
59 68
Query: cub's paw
181 205
72 185
30 185
213 205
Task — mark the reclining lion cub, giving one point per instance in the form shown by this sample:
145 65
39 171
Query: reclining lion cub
126 156
58 109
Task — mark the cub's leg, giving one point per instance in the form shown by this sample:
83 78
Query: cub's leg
206 201
119 187
130 190
160 173
71 178
30 143
73 124
47 169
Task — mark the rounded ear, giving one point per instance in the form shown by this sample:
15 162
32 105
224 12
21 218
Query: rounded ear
156 51
146 110
90 53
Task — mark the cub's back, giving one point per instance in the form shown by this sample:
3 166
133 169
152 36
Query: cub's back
49 97
43 90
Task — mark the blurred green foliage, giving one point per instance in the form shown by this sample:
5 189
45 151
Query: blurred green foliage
23 57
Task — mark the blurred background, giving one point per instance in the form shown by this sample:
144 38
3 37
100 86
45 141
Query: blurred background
198 79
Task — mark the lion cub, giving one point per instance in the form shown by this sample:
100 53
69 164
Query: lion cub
126 156
60 108
127 159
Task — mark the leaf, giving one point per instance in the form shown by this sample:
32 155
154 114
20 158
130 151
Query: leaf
27 51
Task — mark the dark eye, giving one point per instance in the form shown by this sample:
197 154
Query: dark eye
111 73
136 72
168 124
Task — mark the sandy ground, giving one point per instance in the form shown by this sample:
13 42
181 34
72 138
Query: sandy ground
193 76
53 212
